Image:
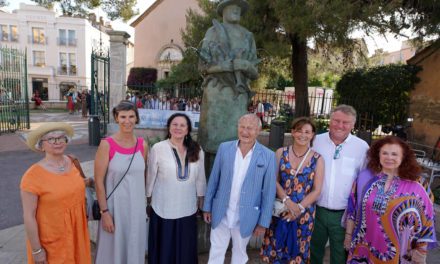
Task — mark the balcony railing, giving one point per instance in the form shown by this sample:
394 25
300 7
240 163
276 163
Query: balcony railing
43 41
66 42
64 70
9 38
72 70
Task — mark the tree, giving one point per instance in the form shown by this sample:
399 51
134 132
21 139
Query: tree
114 8
3 3
382 92
283 28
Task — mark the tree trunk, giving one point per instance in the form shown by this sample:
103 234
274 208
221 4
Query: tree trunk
300 75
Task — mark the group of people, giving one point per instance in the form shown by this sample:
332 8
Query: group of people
78 102
331 187
148 101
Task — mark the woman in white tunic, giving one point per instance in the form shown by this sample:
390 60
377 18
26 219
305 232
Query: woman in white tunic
122 228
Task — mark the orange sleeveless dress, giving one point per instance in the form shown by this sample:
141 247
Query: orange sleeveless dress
61 215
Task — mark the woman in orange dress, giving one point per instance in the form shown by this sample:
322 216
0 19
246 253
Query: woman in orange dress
53 199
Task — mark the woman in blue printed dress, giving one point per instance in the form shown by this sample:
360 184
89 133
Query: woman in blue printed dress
299 182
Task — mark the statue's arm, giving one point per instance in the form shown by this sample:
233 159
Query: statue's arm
248 65
215 61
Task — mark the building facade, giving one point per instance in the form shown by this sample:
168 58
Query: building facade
158 41
407 50
58 48
425 98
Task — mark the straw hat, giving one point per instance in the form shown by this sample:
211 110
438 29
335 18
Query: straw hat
224 3
35 136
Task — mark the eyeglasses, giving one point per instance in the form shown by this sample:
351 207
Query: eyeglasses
337 154
54 140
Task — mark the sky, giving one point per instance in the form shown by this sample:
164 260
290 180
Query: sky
388 43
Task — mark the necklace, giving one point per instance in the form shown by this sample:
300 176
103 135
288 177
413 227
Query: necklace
383 196
59 167
299 156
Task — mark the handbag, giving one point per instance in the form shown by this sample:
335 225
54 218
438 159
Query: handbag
278 206
89 190
96 210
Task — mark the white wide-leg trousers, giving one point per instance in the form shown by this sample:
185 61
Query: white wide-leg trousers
220 237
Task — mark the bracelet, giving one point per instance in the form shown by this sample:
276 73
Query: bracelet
285 199
348 234
301 208
38 251
103 211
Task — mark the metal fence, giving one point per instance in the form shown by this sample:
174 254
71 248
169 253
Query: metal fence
276 104
14 100
100 90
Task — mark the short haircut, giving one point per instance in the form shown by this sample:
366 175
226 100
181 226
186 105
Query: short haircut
253 117
346 109
125 105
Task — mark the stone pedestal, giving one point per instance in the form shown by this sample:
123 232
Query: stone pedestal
118 64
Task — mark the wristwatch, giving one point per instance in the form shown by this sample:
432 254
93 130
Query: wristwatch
103 211
301 208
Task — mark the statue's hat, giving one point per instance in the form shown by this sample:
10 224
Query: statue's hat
224 3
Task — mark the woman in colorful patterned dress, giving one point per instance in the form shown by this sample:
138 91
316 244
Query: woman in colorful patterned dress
389 218
299 182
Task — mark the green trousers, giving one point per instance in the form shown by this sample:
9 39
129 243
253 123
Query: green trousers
328 227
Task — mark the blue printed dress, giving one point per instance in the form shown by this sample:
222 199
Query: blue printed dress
289 242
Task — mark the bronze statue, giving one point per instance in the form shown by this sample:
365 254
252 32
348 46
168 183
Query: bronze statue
228 63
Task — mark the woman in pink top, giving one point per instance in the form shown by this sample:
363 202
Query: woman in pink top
122 228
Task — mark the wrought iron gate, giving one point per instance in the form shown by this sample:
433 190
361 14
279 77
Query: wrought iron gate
14 98
100 89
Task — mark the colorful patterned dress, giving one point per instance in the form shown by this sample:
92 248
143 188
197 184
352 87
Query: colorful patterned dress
388 224
289 242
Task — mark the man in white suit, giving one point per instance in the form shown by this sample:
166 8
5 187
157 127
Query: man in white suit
240 192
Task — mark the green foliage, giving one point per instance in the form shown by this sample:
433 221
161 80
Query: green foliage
436 194
383 90
153 140
115 9
283 28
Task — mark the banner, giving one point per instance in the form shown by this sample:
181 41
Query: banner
152 118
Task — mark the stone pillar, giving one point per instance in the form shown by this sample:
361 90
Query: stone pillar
118 64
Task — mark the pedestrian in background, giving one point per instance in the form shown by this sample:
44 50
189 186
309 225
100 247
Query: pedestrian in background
344 157
71 101
240 194
176 185
120 189
53 199
84 103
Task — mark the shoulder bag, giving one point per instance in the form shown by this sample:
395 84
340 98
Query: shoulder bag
96 211
89 188
278 206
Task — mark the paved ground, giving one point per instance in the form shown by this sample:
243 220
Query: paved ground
15 158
